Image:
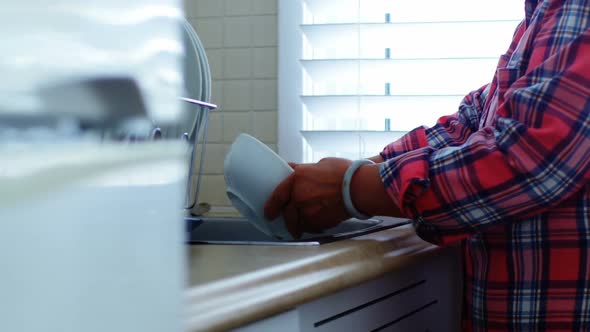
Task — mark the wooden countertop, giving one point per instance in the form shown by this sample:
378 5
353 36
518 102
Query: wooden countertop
232 285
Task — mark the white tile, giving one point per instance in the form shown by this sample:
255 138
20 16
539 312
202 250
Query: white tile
214 130
214 157
237 95
210 31
196 164
264 30
213 190
265 126
203 8
264 62
237 31
215 59
235 123
217 93
237 7
264 95
260 7
223 211
237 63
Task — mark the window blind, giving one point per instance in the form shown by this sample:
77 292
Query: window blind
355 75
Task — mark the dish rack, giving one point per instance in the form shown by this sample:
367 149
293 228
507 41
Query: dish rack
198 97
201 126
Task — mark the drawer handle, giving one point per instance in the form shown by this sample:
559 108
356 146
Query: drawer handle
411 313
367 304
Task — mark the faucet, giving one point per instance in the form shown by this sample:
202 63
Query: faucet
192 192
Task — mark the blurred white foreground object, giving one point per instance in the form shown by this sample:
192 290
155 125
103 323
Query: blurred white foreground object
90 237
91 218
62 40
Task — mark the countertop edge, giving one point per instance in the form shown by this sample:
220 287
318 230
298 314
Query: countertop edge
233 302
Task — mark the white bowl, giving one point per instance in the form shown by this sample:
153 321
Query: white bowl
252 172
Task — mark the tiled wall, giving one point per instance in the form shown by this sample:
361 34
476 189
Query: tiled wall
240 39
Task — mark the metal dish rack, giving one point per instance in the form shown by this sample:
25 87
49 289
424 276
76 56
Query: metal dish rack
198 95
201 125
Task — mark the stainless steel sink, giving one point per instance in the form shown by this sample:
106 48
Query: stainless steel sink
240 231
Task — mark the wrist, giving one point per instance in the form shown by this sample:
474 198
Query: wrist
347 181
369 195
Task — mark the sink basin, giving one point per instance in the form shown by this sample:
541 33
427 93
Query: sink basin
240 231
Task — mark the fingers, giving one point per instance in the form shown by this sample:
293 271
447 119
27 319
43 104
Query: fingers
282 194
297 223
279 198
308 199
308 216
311 218
291 215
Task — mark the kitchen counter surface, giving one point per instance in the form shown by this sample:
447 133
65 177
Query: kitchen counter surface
233 285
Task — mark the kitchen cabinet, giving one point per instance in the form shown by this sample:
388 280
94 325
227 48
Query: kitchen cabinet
422 297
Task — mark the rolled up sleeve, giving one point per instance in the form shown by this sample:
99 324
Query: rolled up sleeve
535 154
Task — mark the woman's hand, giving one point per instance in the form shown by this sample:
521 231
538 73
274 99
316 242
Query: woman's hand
310 199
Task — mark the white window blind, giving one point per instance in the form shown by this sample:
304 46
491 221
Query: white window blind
355 75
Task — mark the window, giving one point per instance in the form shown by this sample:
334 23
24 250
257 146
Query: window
355 75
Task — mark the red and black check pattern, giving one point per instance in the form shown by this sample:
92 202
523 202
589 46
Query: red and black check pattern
509 174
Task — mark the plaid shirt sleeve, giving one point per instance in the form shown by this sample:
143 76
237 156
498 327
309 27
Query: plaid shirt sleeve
523 158
448 131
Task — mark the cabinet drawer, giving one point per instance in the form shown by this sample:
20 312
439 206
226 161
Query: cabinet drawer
425 297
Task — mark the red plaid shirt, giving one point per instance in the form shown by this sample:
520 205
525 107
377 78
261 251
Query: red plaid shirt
509 174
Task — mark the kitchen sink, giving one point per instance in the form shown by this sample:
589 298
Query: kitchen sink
210 230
